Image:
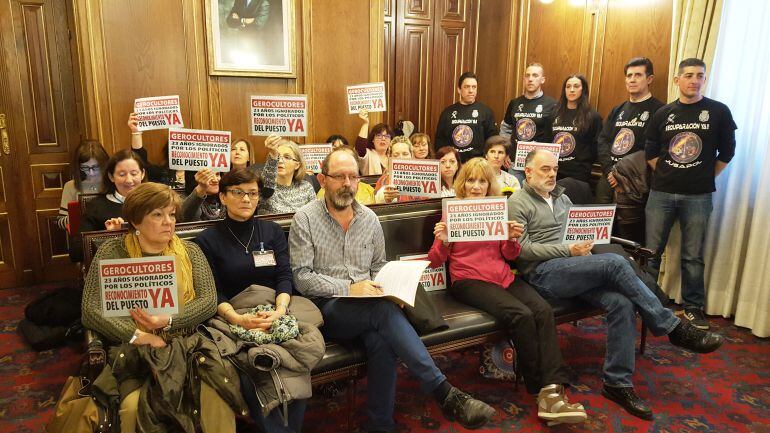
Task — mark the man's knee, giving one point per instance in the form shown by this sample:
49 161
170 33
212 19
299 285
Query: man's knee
382 309
616 303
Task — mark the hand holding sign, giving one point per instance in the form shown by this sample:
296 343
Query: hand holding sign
391 193
148 339
440 232
208 183
515 230
581 248
149 322
271 144
114 224
364 115
133 123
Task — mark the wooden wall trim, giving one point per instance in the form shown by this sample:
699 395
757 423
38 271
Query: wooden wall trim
520 28
307 62
377 50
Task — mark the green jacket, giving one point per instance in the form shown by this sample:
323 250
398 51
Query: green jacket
543 227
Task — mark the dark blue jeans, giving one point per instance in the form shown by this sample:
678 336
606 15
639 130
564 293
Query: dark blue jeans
388 336
607 281
273 422
693 211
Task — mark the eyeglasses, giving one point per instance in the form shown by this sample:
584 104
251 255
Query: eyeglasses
342 177
383 136
89 168
287 158
239 194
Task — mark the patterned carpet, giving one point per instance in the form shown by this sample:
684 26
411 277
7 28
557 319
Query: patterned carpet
727 391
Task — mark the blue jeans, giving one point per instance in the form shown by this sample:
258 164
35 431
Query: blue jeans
273 422
607 281
387 336
693 211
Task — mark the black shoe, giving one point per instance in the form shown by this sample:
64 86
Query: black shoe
687 336
696 317
466 410
628 400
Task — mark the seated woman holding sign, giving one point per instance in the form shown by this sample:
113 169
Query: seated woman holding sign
527 317
156 352
285 169
243 250
400 148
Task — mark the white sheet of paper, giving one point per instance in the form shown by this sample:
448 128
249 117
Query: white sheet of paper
398 280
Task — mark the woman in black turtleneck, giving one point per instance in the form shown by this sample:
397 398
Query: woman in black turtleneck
233 248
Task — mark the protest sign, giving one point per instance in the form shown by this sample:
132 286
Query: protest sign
369 97
314 154
479 219
196 149
285 115
148 283
589 223
416 177
524 147
159 112
432 278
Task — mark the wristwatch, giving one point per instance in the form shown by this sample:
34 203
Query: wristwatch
134 337
168 327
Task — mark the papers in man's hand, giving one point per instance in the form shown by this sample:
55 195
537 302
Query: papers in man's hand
398 280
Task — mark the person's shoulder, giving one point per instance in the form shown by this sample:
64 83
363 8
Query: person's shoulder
717 105
269 226
191 247
550 100
309 209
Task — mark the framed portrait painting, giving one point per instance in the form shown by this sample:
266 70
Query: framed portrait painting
255 38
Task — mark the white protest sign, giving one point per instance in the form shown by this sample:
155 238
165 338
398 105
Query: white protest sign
285 115
524 147
416 177
159 112
479 219
314 154
148 283
432 278
369 97
196 149
589 223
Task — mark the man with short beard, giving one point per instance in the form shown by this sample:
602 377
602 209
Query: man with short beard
606 281
337 247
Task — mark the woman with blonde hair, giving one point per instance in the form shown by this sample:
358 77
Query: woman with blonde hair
283 175
169 343
527 317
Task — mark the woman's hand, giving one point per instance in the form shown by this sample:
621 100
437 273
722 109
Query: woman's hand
146 338
148 321
114 224
364 115
260 320
391 193
271 143
440 232
515 230
204 178
133 123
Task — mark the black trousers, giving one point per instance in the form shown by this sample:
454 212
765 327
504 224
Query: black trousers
529 322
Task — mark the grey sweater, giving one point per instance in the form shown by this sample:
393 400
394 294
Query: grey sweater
541 239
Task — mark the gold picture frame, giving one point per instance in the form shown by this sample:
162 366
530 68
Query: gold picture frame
242 36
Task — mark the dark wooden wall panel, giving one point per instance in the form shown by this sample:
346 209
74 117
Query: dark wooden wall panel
555 34
634 30
493 45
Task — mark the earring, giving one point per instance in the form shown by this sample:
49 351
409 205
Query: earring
136 232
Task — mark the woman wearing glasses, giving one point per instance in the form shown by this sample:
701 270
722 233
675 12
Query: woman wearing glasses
286 169
87 165
372 147
243 250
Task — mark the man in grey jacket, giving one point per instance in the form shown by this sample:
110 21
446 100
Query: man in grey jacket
608 281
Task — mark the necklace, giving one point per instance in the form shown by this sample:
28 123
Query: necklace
245 247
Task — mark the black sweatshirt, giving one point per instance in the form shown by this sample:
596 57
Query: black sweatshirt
578 148
529 119
625 131
688 139
466 127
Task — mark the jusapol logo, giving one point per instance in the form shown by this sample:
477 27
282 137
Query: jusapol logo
525 129
567 142
685 147
704 116
462 135
539 108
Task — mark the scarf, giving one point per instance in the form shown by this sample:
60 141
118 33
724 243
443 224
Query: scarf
184 279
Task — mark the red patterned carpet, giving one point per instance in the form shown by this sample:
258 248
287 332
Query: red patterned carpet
728 391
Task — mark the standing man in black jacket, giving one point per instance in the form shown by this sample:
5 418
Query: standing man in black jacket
626 125
466 124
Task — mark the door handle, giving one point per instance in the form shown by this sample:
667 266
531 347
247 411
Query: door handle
4 135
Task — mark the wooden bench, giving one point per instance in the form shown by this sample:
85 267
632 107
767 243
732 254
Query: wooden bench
408 228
